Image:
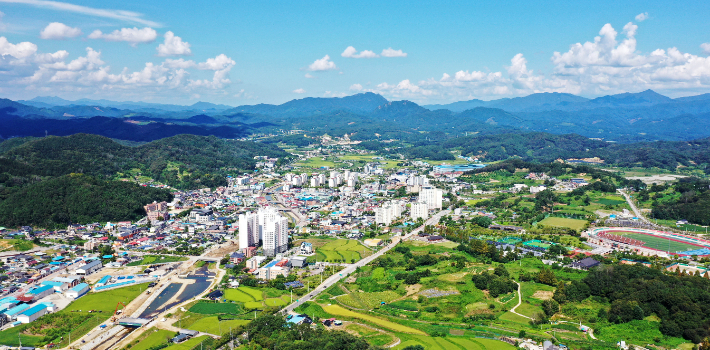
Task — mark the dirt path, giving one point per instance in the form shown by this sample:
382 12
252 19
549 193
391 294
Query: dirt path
520 301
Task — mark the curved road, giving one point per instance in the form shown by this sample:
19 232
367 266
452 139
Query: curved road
351 268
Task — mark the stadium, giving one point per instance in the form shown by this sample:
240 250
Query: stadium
649 241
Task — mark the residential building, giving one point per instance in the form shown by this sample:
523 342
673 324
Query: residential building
432 196
419 210
388 212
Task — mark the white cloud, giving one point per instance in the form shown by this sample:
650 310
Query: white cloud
133 35
173 46
309 76
58 31
705 47
351 52
322 64
642 16
19 51
179 63
389 52
221 65
355 87
127 16
299 91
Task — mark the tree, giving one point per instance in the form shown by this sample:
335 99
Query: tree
545 200
550 307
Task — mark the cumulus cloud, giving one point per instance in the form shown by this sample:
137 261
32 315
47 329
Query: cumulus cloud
123 15
351 52
134 36
59 31
322 64
355 87
173 46
19 51
299 91
389 52
642 16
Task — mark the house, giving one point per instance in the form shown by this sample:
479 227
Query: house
585 264
89 268
306 248
435 238
236 257
294 284
215 295
300 319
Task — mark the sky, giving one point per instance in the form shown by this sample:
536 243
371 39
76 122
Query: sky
249 52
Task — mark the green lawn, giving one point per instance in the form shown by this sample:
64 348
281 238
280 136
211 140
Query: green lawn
106 301
155 338
574 224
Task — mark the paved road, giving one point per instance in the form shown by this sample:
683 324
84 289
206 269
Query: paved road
636 211
351 268
520 301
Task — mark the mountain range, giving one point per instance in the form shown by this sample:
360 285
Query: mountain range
627 117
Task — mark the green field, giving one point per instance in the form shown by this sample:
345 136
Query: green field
212 325
340 250
156 259
155 338
250 305
455 343
243 294
660 243
188 345
215 308
340 311
574 224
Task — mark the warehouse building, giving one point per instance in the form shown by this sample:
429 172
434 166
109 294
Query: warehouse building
78 291
40 292
89 268
33 313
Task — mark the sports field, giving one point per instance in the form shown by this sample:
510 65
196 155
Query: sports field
574 224
658 243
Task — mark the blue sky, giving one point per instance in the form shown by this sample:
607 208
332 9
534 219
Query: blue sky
240 52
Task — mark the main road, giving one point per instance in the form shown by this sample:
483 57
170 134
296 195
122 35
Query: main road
352 267
636 211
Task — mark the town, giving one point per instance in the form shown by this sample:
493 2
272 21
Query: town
286 238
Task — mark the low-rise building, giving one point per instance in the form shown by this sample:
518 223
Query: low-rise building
89 268
78 291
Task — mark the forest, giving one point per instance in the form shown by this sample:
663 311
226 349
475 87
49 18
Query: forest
635 291
693 204
183 161
77 198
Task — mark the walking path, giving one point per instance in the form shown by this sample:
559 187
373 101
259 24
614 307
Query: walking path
520 301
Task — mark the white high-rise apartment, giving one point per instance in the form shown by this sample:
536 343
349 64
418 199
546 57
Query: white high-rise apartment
431 196
388 212
248 230
266 225
419 210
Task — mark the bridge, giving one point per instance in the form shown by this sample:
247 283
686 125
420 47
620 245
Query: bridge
133 322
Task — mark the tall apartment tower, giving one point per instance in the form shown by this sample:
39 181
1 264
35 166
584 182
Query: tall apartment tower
266 225
432 196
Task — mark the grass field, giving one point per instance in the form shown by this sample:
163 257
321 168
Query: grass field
367 300
574 224
243 294
215 308
275 302
455 343
106 301
340 250
253 292
250 305
212 325
155 259
660 243
187 345
155 338
340 311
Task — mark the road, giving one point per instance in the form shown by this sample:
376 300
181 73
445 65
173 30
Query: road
636 211
352 267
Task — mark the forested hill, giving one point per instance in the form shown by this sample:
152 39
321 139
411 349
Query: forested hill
183 161
77 198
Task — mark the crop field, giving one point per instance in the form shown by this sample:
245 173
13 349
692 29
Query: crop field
275 302
215 308
455 343
340 311
255 293
212 325
237 295
574 224
340 250
106 301
155 338
367 300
